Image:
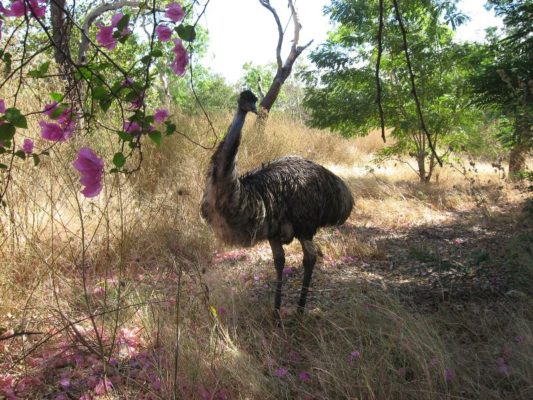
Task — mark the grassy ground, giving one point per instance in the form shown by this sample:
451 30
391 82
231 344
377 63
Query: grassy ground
423 294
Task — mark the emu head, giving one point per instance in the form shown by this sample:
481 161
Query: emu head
247 101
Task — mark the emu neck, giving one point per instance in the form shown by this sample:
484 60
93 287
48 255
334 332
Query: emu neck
226 166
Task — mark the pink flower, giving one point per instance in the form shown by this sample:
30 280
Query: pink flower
222 310
27 146
137 103
174 12
180 62
2 106
91 168
52 131
160 115
164 33
86 396
355 355
503 368
304 376
127 82
449 374
103 386
288 271
115 19
131 127
32 7
50 108
105 36
98 290
519 339
64 383
280 372
129 341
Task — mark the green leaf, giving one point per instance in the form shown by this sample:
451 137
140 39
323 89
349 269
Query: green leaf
36 159
123 23
21 154
3 166
7 131
119 160
156 53
156 137
40 71
105 104
100 93
171 128
85 72
146 59
186 32
58 111
127 137
113 170
2 150
7 63
57 97
14 116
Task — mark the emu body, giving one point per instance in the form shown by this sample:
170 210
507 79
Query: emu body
288 198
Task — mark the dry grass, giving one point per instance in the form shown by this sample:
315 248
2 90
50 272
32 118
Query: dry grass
138 257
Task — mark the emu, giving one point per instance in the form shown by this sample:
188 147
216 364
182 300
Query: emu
287 198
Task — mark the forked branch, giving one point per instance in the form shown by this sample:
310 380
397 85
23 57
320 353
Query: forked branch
284 69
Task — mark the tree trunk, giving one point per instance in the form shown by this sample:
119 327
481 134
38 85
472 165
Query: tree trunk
60 34
517 156
517 161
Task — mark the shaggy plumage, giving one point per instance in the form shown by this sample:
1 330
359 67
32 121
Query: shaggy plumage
285 199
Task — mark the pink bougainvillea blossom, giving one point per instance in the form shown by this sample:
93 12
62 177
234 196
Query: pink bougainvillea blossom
2 106
52 131
115 19
103 386
91 168
281 372
304 376
180 62
164 33
131 127
129 341
64 383
63 126
503 367
449 374
27 146
32 8
50 108
6 386
104 36
174 12
160 115
354 355
137 103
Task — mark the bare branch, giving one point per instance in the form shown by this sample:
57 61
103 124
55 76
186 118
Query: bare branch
92 15
266 4
284 68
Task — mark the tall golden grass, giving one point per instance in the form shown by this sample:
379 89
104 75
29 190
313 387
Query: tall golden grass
139 256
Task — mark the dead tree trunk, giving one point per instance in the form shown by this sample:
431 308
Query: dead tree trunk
284 68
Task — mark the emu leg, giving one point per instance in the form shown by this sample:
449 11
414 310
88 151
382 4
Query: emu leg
279 263
309 263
